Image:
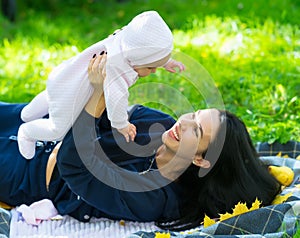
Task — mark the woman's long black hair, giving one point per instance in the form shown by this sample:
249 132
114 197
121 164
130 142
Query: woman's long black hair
237 176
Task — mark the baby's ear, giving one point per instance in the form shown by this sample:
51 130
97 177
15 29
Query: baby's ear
200 162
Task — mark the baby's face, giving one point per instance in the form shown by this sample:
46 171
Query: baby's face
145 71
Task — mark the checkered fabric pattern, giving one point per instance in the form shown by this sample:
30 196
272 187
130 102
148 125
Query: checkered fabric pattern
291 149
272 221
4 223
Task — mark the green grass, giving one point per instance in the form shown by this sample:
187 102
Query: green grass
297 235
250 48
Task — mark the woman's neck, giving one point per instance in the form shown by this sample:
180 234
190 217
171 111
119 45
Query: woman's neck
169 164
163 156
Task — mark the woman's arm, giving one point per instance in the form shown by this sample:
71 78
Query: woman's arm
95 105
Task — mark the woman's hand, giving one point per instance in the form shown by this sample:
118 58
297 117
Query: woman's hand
97 73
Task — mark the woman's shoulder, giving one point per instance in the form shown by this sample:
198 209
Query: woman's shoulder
137 111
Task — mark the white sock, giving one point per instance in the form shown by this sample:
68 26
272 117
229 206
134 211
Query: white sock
26 144
37 108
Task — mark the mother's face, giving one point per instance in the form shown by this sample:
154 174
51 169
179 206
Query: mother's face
192 133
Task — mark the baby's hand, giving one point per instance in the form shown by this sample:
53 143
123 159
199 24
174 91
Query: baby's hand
172 64
128 132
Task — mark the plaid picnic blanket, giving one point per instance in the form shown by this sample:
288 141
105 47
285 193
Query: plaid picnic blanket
290 149
4 223
274 221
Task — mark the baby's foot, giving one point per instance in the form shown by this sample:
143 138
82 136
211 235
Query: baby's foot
26 145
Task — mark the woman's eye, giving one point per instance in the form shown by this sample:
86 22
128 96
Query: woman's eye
196 131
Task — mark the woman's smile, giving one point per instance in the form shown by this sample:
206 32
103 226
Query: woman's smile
173 133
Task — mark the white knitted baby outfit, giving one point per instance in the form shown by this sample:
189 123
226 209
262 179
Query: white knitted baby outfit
146 39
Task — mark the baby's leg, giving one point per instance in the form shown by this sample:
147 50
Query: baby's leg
51 129
25 143
37 108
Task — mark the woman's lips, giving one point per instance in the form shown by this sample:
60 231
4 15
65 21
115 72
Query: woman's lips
173 133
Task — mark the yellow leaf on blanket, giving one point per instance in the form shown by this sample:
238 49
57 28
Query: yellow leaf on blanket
255 205
225 216
282 156
240 208
162 235
283 174
208 221
297 185
281 198
298 157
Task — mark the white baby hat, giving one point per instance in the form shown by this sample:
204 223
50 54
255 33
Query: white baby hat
146 39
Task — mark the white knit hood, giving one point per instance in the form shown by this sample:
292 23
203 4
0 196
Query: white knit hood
146 39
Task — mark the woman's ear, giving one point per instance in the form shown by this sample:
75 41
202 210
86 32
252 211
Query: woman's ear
200 162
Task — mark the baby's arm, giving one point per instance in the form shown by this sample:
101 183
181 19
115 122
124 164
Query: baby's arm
116 100
96 78
172 64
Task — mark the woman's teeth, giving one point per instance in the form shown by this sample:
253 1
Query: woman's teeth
175 134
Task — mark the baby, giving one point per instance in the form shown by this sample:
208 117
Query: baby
135 51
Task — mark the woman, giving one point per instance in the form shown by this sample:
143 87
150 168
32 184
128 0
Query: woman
157 178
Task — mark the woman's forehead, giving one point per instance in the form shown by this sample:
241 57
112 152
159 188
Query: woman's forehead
212 113
209 120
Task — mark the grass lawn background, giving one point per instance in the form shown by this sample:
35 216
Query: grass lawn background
250 48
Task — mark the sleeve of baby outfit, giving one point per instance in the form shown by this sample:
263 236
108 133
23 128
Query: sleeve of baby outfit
116 98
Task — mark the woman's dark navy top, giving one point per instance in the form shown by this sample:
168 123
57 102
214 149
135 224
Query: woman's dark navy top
98 174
